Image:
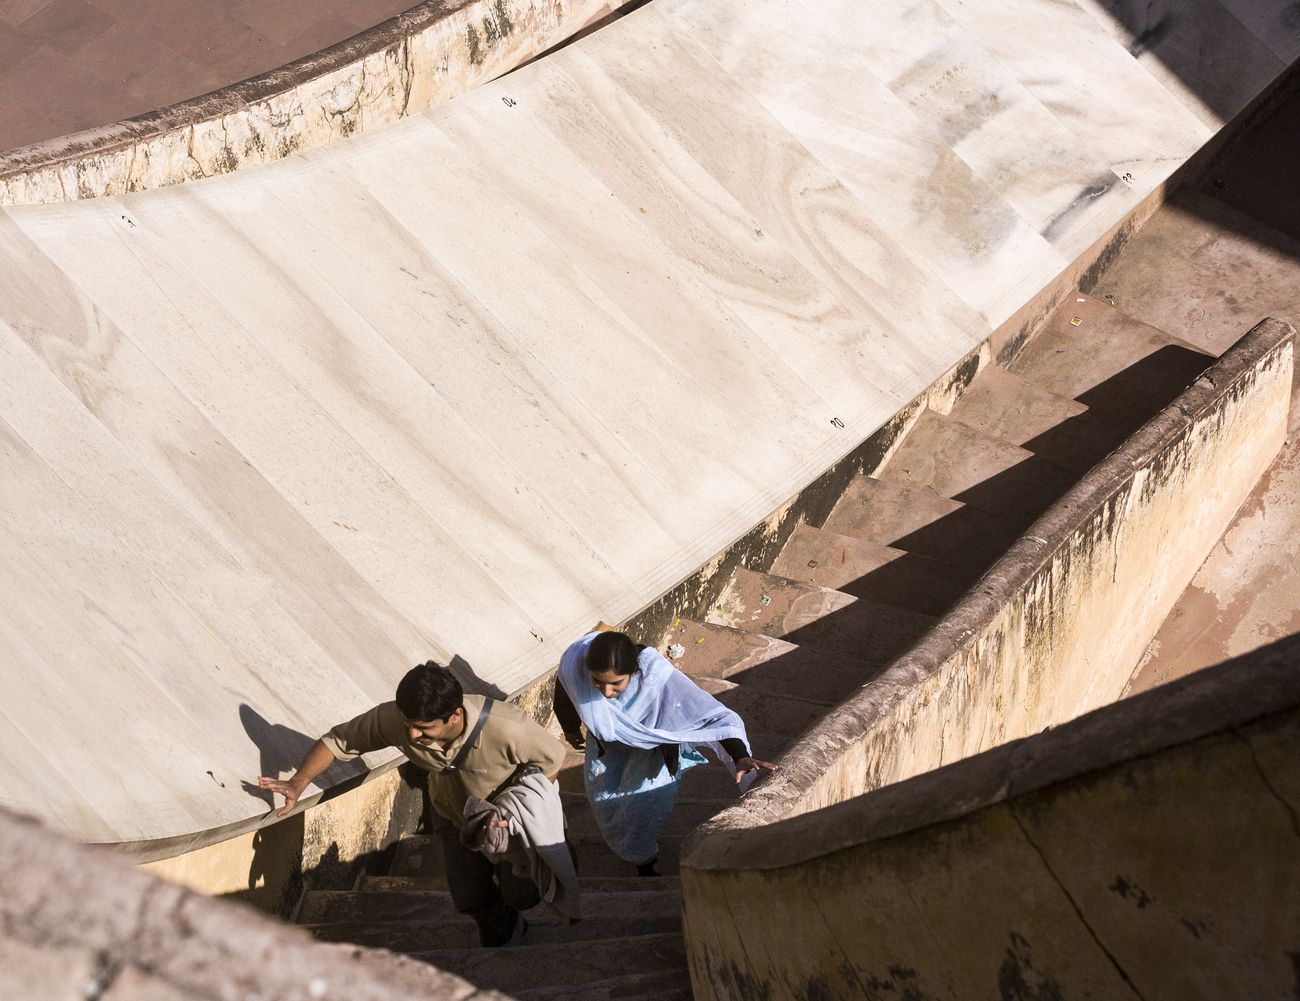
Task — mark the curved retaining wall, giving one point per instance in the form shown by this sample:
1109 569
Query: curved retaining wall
436 50
1050 633
1146 850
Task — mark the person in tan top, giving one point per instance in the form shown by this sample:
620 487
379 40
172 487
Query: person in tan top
470 746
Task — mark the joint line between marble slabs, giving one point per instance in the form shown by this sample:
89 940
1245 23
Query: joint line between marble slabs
1074 904
1263 775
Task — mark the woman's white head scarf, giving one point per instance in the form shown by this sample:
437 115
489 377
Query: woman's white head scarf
659 706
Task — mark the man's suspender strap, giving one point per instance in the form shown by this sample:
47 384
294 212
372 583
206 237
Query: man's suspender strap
471 736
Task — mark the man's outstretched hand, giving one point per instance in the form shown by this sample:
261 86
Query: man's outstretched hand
288 790
316 761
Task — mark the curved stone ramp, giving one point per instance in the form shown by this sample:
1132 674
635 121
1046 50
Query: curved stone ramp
1051 631
272 437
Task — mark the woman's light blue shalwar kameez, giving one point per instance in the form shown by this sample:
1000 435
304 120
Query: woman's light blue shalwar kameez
628 782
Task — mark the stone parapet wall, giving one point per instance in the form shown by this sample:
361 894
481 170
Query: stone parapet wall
1146 850
77 923
435 51
325 844
1051 632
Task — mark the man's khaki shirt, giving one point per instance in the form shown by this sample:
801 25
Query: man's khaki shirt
508 739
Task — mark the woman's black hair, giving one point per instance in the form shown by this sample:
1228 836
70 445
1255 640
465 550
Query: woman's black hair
613 653
429 692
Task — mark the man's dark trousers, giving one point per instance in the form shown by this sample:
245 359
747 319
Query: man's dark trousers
491 894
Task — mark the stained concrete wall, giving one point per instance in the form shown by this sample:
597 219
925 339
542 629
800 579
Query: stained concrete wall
1051 632
78 923
436 50
324 845
1150 849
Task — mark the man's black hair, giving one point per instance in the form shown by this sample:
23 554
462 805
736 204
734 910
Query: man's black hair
429 692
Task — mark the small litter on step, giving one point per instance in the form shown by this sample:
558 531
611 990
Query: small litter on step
765 600
675 651
1075 320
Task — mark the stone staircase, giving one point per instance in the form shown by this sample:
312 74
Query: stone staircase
782 646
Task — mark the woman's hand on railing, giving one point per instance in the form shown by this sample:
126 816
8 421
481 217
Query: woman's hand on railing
746 765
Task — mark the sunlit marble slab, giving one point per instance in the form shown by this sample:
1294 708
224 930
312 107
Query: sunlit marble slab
1086 77
912 182
983 113
464 385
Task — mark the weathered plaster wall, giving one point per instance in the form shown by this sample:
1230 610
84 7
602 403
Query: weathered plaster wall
324 846
1147 850
1050 633
428 55
77 923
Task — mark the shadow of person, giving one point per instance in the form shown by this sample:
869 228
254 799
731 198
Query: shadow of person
471 682
275 875
281 748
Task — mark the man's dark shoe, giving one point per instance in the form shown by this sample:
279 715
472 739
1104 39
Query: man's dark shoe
521 929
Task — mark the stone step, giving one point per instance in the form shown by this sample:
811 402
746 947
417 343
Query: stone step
673 985
1015 410
532 967
765 663
587 884
1257 175
825 620
458 931
870 570
918 520
786 715
1114 364
421 855
685 817
713 784
432 907
1206 272
955 460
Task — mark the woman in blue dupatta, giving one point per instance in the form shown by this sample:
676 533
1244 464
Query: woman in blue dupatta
644 721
